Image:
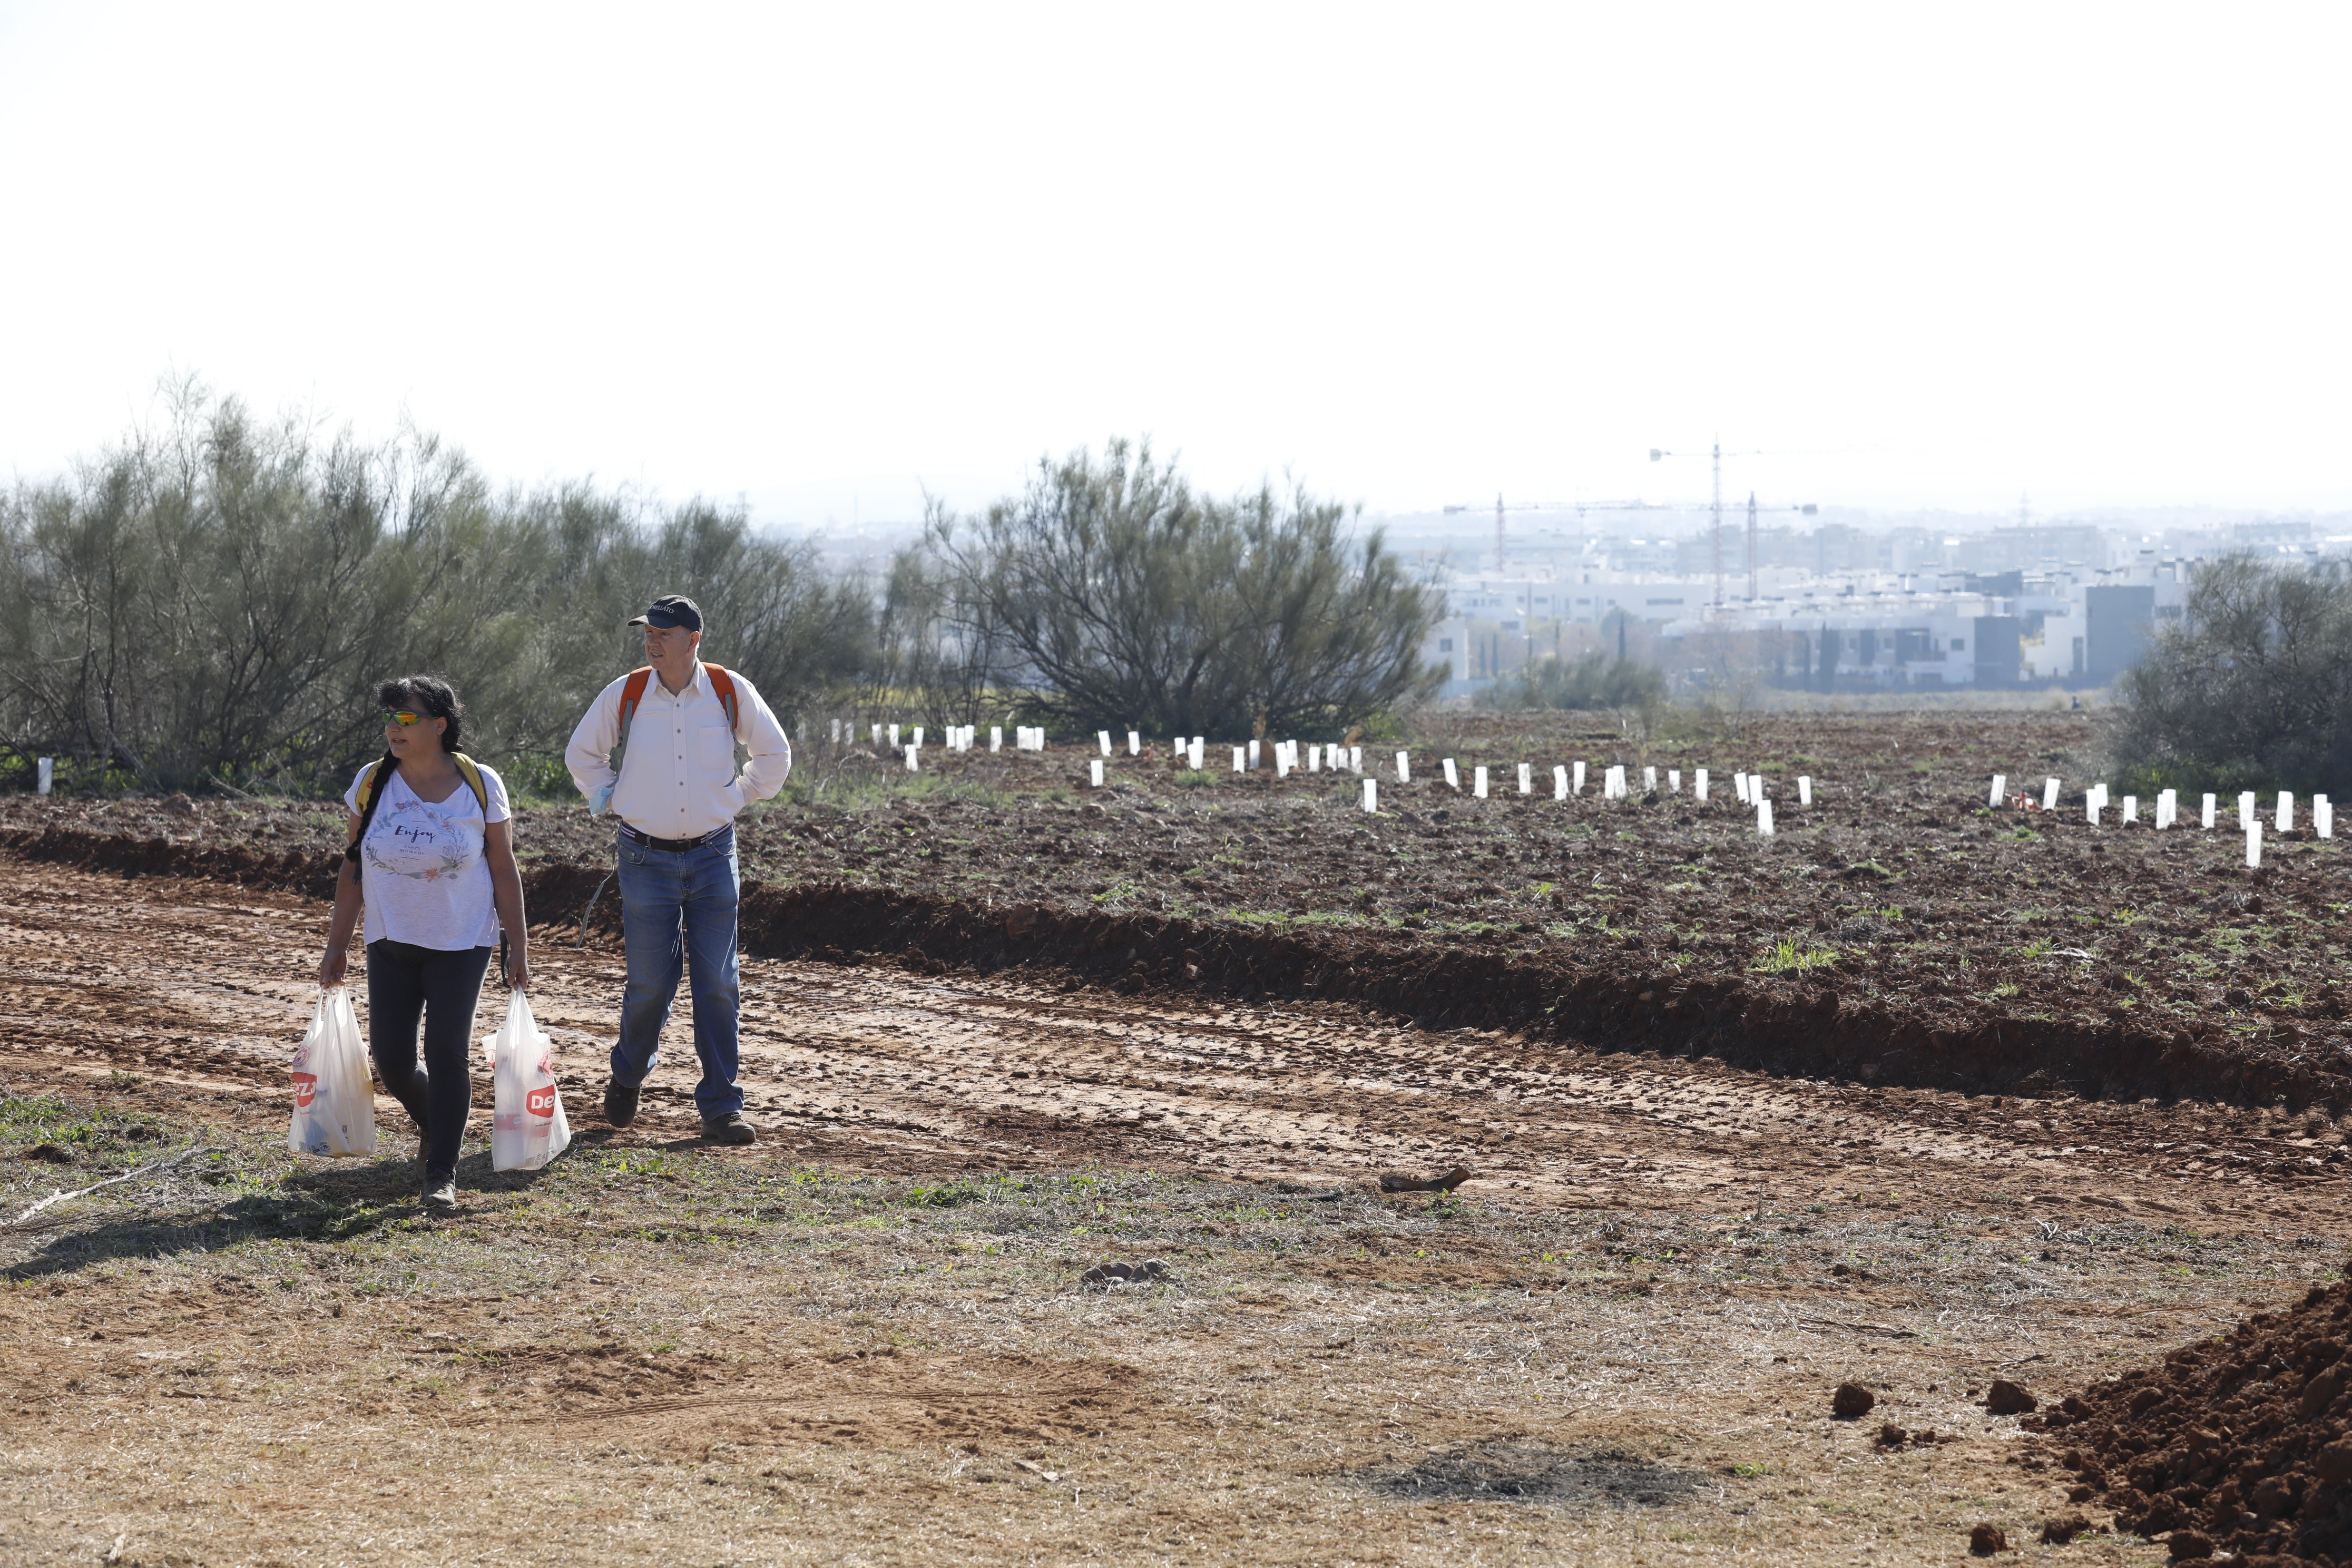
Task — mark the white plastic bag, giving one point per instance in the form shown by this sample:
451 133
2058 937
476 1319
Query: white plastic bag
528 1127
335 1099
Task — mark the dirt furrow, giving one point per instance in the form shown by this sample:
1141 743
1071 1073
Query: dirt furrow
165 978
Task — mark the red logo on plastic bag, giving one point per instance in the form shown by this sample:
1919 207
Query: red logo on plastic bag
540 1102
305 1089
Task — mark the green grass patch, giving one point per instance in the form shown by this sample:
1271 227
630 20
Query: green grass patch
1787 957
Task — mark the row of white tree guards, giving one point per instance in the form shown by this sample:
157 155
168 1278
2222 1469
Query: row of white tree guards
1568 779
958 738
2168 810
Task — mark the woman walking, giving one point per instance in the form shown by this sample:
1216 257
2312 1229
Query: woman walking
431 857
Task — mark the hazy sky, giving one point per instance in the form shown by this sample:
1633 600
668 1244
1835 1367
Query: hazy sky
831 256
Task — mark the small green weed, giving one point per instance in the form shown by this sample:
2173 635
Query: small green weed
31 1114
1787 958
947 1195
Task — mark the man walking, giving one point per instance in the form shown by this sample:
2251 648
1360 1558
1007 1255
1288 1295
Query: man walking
676 791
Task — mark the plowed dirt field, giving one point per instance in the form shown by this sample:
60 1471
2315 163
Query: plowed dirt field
1897 931
869 1338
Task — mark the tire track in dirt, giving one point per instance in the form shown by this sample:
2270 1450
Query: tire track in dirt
868 1064
2161 1020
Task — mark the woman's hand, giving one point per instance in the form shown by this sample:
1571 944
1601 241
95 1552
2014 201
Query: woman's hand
330 968
518 971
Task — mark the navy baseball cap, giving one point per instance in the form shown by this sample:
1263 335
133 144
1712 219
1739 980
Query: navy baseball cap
671 610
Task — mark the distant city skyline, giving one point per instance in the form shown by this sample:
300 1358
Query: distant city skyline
833 260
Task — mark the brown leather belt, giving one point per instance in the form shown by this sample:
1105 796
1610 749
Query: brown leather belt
675 845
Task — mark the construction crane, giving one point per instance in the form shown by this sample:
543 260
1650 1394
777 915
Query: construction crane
1502 536
1502 542
1716 454
1755 589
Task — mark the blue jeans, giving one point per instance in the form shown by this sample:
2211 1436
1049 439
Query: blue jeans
678 911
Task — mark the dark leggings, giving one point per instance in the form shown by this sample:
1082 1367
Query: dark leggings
406 982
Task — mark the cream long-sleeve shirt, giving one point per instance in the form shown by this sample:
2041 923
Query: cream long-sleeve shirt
677 777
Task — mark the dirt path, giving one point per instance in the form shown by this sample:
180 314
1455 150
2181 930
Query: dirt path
1655 1258
177 983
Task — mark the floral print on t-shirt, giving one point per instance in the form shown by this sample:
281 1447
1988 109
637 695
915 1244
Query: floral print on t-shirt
414 838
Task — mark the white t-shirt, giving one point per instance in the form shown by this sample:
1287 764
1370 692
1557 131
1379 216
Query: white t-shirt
421 868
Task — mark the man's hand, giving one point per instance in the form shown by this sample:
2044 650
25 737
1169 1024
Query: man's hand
518 971
330 968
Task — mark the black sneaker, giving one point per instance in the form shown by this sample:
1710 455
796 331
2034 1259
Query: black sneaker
729 1129
621 1103
441 1194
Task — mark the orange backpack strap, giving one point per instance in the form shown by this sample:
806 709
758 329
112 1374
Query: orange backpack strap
632 692
723 684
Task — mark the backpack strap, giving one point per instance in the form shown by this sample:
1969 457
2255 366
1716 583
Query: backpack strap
472 773
633 693
371 795
723 685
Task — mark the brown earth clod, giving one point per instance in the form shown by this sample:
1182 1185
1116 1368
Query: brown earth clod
2007 1398
2059 1529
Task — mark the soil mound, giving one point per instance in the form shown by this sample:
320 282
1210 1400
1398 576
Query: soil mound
2242 1440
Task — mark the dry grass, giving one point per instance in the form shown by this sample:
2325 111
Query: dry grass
695 1356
